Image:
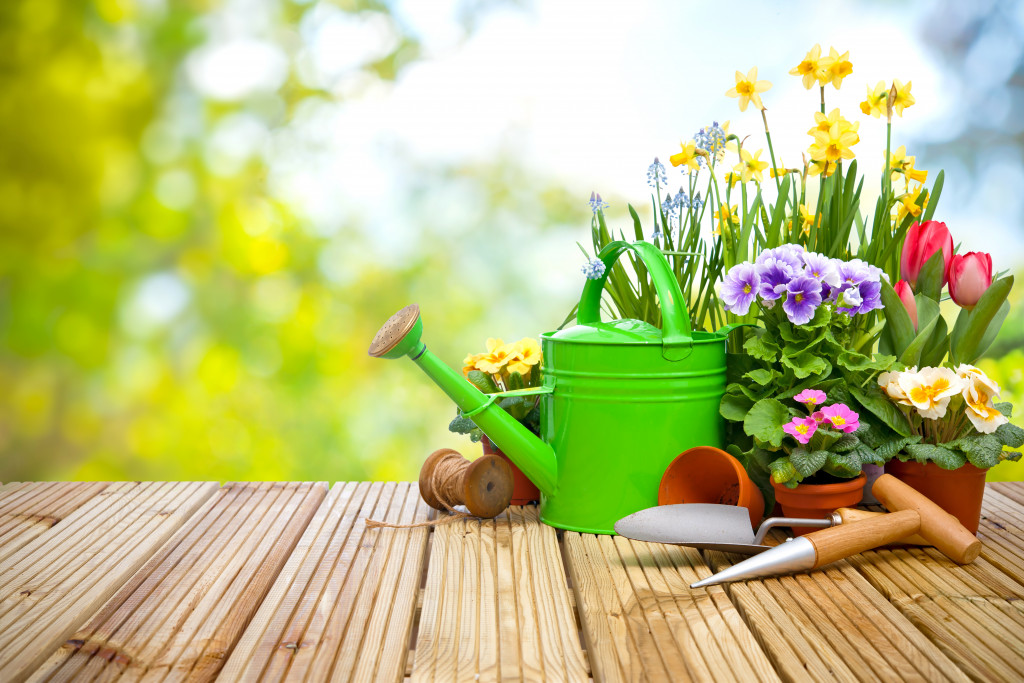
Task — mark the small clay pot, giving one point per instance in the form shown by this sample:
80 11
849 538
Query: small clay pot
817 501
959 492
710 475
524 491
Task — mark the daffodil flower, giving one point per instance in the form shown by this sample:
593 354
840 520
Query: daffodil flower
687 157
911 204
750 166
834 144
836 67
809 68
903 97
903 165
824 123
823 168
731 178
807 219
748 89
725 216
874 105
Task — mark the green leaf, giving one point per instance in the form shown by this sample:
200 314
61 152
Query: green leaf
1005 408
1010 435
879 405
966 349
890 448
807 462
762 348
762 376
867 455
805 363
899 325
945 458
735 407
846 443
482 381
842 464
993 329
929 210
783 472
765 420
935 350
515 381
912 354
982 450
929 280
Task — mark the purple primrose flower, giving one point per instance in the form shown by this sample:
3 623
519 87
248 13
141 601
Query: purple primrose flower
821 268
790 254
740 288
775 275
803 294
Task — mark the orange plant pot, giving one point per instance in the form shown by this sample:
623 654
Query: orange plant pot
524 491
710 475
816 501
959 492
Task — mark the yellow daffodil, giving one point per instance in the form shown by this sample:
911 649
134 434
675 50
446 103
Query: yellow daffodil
833 145
930 390
824 123
910 203
903 97
750 166
837 67
823 168
807 220
780 171
526 354
731 178
810 68
748 89
725 215
875 103
687 157
901 164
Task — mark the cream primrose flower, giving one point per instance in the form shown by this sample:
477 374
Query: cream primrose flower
889 381
985 417
975 376
930 390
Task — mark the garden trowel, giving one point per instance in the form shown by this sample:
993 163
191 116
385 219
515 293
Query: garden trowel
722 527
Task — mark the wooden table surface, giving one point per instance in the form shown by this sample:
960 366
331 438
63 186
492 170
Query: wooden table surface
261 580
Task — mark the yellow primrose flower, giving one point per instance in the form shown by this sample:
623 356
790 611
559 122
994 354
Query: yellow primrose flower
910 203
687 157
470 362
748 89
750 166
810 68
497 356
726 215
930 390
837 67
903 165
903 97
875 103
824 123
834 144
527 354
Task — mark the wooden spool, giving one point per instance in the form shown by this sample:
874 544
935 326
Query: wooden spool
484 486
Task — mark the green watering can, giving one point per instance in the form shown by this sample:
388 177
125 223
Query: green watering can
620 400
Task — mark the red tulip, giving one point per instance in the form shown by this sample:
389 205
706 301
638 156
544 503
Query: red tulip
906 295
970 275
923 240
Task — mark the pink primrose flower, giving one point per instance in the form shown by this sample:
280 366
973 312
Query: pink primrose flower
801 428
810 397
842 418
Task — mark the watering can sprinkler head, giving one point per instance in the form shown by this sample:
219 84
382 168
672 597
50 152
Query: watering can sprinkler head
400 335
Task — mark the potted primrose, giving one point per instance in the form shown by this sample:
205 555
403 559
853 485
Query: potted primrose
506 367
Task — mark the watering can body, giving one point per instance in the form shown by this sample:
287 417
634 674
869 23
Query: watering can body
620 400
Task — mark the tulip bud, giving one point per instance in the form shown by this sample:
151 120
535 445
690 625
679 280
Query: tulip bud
970 275
923 240
906 295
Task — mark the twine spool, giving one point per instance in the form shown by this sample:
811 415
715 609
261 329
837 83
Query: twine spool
447 479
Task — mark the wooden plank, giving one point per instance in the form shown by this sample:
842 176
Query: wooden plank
182 613
497 580
29 510
52 584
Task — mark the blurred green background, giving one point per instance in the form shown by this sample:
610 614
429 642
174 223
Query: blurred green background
208 208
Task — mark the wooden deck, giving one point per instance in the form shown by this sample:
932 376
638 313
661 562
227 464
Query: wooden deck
284 581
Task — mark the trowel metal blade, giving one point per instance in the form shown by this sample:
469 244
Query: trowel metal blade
693 524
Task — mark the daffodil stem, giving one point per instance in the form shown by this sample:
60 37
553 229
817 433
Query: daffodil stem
822 99
771 153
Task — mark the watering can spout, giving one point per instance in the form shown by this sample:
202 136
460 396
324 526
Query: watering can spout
400 336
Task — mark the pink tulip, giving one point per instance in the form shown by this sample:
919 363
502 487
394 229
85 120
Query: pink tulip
923 240
970 275
906 295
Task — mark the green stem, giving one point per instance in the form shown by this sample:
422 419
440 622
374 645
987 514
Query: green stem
822 99
771 151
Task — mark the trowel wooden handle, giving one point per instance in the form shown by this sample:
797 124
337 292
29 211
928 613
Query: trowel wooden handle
850 515
844 540
938 527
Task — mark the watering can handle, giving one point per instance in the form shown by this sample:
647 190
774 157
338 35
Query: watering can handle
677 340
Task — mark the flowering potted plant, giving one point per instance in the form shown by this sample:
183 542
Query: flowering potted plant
953 432
506 367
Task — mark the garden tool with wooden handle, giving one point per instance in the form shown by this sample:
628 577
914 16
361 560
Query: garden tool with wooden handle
910 513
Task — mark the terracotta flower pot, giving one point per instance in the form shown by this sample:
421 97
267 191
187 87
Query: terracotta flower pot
524 491
816 501
710 475
959 492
